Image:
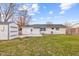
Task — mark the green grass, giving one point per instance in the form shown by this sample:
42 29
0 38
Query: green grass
48 45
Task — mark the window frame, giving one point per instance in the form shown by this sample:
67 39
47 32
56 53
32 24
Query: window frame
42 29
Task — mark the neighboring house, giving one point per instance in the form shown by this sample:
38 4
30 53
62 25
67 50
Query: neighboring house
73 29
8 30
38 29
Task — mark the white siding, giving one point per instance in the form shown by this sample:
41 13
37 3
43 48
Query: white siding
54 31
8 32
3 32
60 31
27 31
36 31
13 31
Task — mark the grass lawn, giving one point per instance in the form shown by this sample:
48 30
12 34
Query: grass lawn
48 45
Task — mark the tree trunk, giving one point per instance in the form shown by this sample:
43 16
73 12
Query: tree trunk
20 31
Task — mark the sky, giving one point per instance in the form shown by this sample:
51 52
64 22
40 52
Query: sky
57 13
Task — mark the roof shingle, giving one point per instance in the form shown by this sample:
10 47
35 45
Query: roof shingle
46 25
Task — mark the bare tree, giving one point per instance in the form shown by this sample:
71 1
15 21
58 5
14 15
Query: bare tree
9 12
23 19
6 12
68 27
21 22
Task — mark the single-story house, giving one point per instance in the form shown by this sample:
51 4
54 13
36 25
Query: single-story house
38 29
73 29
8 30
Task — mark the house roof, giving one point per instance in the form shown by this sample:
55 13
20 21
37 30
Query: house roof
76 25
46 25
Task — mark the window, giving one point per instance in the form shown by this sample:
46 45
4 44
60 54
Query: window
42 29
57 28
52 28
